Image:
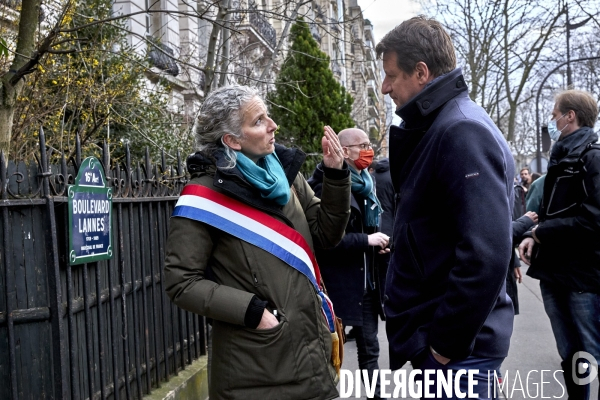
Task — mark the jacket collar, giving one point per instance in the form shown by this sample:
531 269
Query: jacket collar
570 148
421 110
235 185
418 115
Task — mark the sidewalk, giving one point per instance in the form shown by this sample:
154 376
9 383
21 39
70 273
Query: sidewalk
532 350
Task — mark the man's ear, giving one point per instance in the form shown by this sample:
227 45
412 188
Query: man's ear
232 142
424 76
345 152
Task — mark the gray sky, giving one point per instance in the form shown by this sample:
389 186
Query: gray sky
386 14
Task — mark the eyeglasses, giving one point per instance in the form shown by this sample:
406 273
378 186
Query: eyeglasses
363 146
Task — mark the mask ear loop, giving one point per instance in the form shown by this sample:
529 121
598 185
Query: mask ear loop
563 128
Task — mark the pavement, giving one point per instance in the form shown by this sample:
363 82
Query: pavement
532 351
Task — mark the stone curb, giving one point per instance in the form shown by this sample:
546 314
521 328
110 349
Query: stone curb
189 384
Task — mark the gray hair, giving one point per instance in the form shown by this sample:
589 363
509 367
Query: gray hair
220 115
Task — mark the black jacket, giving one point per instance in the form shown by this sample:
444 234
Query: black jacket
349 267
453 173
569 228
519 227
385 194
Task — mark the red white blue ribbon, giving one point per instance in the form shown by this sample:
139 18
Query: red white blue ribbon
255 227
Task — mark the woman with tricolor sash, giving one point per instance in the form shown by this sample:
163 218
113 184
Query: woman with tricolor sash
241 252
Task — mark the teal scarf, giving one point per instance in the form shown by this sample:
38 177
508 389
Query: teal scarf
267 176
362 184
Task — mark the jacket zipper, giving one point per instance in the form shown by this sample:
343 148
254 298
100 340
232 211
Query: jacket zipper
365 267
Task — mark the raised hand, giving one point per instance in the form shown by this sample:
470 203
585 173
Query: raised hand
333 155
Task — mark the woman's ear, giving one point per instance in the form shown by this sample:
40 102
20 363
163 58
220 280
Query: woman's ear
232 142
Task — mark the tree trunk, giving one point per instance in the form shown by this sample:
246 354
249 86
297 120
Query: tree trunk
212 47
9 92
226 46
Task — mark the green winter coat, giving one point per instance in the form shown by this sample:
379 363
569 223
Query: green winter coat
214 274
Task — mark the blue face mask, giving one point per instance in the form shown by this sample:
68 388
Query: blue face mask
553 129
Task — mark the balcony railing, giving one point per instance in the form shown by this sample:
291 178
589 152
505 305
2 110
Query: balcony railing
319 12
373 108
371 87
314 30
374 123
335 25
335 67
262 25
161 56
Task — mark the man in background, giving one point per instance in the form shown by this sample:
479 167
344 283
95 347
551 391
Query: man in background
525 174
564 248
349 270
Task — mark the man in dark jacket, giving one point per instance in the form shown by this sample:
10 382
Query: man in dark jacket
564 248
446 304
349 270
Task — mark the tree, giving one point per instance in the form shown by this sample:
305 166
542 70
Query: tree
245 46
506 48
11 84
98 92
308 97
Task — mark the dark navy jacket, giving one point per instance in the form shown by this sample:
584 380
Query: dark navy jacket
345 267
385 194
453 174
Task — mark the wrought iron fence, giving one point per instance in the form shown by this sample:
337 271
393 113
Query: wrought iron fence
98 330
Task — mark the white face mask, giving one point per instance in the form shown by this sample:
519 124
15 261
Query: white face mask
553 129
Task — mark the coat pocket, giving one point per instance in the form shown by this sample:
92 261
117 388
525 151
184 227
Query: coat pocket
567 193
262 357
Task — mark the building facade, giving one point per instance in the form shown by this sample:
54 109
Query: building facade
202 45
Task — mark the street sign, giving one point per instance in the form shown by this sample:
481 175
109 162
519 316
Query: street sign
90 215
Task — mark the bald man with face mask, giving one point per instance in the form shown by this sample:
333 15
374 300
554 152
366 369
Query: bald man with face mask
349 270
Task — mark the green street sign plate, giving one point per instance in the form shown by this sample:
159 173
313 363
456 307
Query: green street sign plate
90 215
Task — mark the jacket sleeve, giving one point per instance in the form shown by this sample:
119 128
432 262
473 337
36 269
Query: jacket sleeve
519 227
188 251
475 176
328 216
587 222
354 242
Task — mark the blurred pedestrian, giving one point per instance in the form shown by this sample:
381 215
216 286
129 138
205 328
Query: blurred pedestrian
534 195
525 175
564 248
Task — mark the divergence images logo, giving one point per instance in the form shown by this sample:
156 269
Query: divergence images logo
584 368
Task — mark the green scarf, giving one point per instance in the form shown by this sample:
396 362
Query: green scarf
267 176
362 184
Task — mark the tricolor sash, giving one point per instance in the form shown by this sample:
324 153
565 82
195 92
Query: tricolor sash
255 227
